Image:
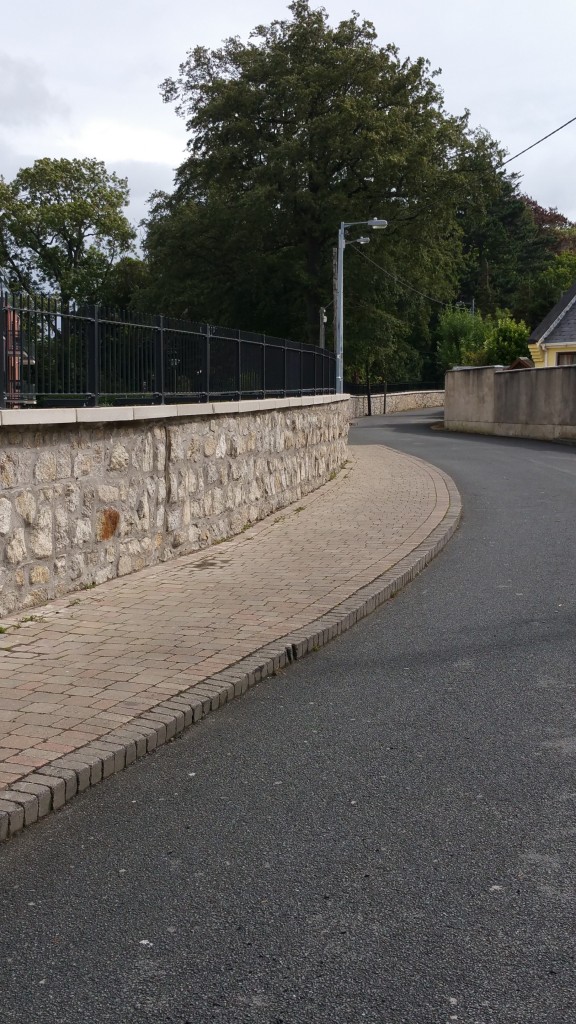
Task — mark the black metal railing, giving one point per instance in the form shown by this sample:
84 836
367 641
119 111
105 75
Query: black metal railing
51 355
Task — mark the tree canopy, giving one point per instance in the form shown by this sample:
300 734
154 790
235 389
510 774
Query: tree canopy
62 227
301 127
308 124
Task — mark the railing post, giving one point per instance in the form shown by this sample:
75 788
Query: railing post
93 358
3 351
159 358
239 368
207 362
263 366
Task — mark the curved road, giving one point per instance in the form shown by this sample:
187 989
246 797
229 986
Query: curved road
384 833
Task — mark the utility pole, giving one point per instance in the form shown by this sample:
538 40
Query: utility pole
339 310
335 294
322 334
374 222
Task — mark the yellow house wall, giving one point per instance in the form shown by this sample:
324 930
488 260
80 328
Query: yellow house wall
551 351
546 357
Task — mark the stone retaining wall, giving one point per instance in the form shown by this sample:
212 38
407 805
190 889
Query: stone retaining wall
397 401
87 495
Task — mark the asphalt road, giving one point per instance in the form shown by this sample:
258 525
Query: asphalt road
384 833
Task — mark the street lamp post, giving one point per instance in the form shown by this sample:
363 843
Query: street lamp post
375 222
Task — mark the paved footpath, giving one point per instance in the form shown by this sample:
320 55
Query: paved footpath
95 680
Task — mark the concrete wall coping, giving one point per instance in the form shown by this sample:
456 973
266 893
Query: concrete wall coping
421 391
107 414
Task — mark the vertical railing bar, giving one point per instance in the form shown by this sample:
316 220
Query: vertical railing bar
3 349
93 358
208 366
159 340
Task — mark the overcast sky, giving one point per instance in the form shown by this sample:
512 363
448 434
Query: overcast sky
81 78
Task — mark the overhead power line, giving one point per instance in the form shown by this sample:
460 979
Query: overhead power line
398 280
543 139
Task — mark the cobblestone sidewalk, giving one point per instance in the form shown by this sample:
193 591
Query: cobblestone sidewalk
92 681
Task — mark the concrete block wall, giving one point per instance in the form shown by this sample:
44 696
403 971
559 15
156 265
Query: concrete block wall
91 494
536 403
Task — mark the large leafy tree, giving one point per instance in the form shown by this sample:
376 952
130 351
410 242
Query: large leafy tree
303 126
508 238
63 227
543 290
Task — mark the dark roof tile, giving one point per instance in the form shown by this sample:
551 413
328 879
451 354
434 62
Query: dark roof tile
558 310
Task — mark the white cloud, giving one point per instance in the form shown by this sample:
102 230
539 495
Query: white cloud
25 100
108 139
507 62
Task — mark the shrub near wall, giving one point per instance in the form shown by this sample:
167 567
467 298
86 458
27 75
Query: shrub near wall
83 503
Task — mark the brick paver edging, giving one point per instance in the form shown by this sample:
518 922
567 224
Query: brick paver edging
48 788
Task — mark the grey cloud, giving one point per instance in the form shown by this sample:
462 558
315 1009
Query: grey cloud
11 161
24 97
143 179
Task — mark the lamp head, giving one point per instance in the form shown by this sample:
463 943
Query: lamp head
377 222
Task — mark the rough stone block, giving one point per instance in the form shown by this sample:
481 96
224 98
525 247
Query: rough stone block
5 516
